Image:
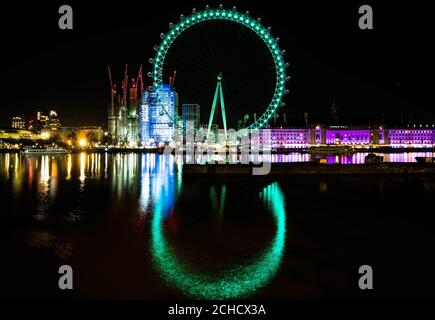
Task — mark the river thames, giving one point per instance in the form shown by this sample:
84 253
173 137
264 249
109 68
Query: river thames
132 227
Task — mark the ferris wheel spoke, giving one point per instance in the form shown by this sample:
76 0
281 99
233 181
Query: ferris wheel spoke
249 92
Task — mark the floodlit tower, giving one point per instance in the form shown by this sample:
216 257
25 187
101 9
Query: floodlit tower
133 134
217 93
123 111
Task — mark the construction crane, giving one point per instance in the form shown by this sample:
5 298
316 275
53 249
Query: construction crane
112 122
172 79
125 83
112 87
139 78
113 92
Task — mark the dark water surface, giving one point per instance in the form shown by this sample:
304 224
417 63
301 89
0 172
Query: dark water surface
133 228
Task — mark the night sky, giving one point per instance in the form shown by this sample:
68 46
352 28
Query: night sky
387 70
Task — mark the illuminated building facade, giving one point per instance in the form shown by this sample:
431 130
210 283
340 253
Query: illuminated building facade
317 136
53 121
293 138
47 121
18 123
283 138
122 125
191 114
74 136
19 134
159 106
348 137
133 116
411 137
42 120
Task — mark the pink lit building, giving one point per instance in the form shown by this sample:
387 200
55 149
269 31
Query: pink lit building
349 137
297 138
285 138
411 137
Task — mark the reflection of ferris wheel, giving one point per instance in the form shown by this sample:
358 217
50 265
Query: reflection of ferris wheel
245 20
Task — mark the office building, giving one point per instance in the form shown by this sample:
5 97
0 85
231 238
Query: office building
191 114
158 109
18 123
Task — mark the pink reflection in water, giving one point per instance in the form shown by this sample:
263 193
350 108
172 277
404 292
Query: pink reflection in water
357 158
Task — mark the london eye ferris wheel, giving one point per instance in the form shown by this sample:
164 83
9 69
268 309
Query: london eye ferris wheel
236 47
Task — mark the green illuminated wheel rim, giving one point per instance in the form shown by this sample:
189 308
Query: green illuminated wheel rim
237 281
242 19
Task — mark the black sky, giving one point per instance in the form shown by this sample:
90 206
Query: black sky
385 70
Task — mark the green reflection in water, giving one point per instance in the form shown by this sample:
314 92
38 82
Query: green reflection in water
219 209
237 281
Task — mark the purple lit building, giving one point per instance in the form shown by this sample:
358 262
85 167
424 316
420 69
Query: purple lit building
349 137
285 138
296 138
411 137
